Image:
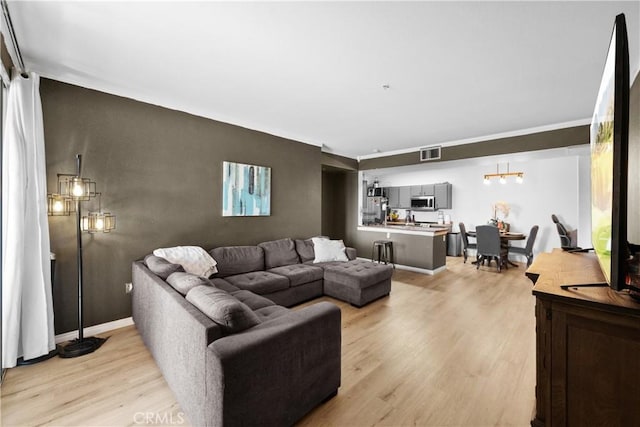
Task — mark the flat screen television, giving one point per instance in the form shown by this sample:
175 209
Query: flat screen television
609 162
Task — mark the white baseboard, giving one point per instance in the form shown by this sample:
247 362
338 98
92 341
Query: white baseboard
414 269
422 270
95 329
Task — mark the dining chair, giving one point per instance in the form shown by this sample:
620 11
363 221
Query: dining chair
527 250
565 238
465 241
489 247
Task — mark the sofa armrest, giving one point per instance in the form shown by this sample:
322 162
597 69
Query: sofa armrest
351 253
274 373
176 334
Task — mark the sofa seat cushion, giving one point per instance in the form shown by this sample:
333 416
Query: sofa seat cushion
224 285
183 282
253 301
299 274
260 282
358 273
224 309
268 313
323 265
279 252
234 260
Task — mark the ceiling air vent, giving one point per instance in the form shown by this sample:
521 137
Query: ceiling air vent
430 153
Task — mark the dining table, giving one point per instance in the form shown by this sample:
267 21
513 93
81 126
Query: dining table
505 237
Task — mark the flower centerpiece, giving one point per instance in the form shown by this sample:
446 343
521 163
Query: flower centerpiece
497 220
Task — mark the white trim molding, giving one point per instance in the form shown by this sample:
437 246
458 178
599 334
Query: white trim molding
414 269
95 329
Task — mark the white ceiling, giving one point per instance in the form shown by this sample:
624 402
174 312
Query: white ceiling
314 71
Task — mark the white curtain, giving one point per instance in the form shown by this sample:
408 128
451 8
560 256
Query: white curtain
27 308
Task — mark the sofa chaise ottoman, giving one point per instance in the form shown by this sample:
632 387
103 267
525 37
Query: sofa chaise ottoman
286 272
358 282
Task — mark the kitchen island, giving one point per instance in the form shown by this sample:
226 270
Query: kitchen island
421 248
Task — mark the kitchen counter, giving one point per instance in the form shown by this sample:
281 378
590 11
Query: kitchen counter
402 228
419 248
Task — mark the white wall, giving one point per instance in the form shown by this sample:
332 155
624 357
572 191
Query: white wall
555 181
584 201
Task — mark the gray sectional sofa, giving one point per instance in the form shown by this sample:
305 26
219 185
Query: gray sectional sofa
228 346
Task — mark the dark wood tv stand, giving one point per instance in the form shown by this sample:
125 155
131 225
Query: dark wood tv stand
587 345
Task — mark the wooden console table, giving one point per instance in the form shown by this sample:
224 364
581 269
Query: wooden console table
587 345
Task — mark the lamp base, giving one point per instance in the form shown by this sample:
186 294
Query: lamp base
77 348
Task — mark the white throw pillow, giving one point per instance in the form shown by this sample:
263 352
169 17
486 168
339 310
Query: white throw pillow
193 259
328 250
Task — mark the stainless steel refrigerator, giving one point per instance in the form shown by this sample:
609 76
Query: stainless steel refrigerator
373 211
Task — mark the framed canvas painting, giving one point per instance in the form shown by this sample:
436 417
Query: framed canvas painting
246 190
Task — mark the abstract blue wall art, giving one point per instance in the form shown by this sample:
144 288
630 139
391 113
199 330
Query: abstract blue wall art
246 190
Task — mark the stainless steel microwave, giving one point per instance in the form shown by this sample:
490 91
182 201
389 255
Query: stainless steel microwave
375 192
423 203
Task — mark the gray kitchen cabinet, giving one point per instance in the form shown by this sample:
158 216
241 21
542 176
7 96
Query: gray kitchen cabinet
423 190
404 196
400 197
428 190
393 194
443 194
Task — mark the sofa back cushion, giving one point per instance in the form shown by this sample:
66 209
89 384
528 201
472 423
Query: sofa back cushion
183 282
278 253
160 266
223 308
305 250
238 259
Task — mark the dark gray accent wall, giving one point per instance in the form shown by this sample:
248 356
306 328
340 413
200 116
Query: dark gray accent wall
335 200
160 172
334 161
335 172
536 141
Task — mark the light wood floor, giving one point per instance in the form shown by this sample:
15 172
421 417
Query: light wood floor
455 349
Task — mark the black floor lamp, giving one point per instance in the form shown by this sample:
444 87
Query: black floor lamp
72 191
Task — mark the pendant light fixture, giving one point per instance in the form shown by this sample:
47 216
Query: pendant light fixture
502 176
